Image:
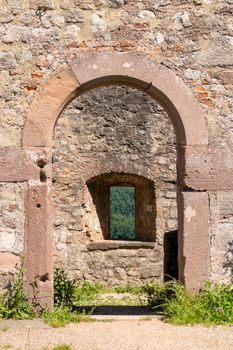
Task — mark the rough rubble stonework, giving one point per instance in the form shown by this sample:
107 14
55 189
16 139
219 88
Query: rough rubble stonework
12 222
106 130
193 38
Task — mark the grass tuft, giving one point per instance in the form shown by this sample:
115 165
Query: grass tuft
63 347
129 288
61 316
213 305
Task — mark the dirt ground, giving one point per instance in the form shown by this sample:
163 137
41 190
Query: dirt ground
122 333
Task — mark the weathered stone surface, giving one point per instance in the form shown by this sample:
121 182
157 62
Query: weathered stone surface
12 217
206 168
115 3
74 16
115 266
111 130
225 77
222 239
7 60
47 4
194 257
38 237
23 164
106 245
219 53
5 16
8 266
98 23
61 89
193 39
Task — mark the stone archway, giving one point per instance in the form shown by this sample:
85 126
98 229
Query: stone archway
109 68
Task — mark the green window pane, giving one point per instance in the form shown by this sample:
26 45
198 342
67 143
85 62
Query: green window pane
122 213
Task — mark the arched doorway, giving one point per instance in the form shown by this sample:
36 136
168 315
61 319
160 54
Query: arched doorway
102 69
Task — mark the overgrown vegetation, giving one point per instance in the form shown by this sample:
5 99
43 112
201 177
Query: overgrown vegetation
13 301
62 315
86 292
129 288
64 289
212 305
68 295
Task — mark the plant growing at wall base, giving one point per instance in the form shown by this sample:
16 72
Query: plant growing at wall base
64 289
62 315
157 293
14 302
212 305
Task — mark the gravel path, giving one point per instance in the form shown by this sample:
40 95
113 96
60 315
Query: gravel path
120 334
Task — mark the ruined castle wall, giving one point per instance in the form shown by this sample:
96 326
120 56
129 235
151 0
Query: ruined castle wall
111 130
193 38
12 213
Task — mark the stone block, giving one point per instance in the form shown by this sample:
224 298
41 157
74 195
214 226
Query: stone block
205 168
194 239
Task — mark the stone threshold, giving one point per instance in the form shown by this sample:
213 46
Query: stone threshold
109 244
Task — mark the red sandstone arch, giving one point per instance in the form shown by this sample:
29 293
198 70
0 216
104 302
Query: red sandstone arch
109 68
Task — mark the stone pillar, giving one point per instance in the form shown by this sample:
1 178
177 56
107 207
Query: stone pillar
193 239
38 242
38 227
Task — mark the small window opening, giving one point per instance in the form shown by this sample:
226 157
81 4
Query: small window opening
122 213
124 207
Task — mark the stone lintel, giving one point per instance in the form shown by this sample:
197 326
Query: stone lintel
109 244
205 168
23 164
194 239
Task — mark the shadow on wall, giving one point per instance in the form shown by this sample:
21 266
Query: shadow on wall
228 265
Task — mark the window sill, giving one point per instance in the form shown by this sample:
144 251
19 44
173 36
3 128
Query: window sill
110 244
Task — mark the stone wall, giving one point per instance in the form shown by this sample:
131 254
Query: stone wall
193 38
12 220
111 130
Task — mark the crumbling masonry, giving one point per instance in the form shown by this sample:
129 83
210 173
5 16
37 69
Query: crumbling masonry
97 92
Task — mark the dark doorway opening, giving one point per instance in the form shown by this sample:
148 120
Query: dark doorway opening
171 255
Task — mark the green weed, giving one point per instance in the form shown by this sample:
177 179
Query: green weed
129 288
61 316
86 293
13 301
69 293
63 347
157 293
146 318
212 305
64 289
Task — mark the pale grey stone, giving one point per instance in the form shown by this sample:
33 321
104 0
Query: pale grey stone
7 60
192 74
5 16
74 16
115 3
98 23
